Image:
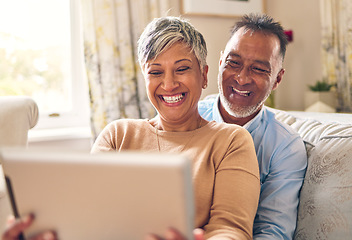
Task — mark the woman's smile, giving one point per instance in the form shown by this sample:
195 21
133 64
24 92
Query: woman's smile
172 99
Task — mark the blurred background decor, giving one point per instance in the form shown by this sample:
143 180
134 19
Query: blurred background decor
321 97
229 8
336 20
110 33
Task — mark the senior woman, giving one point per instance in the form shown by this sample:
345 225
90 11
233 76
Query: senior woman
172 56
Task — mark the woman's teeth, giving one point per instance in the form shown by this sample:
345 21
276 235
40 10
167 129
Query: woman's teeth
242 93
173 99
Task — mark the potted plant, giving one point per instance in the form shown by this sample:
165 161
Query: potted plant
321 97
321 86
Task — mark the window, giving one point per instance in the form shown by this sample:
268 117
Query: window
41 56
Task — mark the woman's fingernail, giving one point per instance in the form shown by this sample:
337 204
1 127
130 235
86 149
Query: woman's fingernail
149 237
49 236
28 218
197 231
170 234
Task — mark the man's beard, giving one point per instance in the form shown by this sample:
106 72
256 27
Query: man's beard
235 110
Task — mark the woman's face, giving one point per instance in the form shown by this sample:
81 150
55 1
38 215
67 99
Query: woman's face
174 84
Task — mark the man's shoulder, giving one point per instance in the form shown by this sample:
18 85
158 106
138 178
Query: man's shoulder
275 125
283 139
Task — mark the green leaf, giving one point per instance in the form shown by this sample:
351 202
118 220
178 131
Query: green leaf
321 86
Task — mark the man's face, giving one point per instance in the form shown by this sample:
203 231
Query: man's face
250 68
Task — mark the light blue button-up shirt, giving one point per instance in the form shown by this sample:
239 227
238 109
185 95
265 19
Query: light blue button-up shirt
282 163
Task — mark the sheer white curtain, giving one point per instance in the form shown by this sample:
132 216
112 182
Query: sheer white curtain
110 31
336 18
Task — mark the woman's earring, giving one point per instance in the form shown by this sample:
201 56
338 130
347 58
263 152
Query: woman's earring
205 85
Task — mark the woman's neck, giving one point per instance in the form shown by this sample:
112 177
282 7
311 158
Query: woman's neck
190 125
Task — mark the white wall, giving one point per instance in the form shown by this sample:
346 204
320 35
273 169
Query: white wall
75 139
81 144
303 58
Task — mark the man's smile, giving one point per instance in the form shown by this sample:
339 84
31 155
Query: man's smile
241 92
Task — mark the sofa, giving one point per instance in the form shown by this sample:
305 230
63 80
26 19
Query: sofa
18 114
325 208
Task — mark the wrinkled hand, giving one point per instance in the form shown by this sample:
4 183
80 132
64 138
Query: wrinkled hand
16 226
172 234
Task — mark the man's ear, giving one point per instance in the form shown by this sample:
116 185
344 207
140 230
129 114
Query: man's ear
220 60
278 78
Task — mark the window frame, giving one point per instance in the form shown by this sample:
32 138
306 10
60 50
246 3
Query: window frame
79 116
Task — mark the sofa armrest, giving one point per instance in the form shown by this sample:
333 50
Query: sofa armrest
18 114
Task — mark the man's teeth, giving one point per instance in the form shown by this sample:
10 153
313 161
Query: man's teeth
173 99
242 93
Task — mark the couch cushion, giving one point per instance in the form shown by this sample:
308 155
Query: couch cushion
325 209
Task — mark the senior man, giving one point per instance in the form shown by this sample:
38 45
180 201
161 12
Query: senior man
251 67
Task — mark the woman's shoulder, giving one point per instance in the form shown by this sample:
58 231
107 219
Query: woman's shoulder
221 126
127 123
227 130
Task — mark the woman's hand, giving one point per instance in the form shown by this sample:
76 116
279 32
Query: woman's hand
16 226
172 234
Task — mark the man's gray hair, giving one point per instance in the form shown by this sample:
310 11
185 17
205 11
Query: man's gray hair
265 24
161 33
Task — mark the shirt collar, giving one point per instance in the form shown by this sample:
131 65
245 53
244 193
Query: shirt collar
251 125
216 111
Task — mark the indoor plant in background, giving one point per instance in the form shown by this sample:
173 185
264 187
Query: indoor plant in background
321 97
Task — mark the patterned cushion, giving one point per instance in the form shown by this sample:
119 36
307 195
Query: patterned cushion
325 209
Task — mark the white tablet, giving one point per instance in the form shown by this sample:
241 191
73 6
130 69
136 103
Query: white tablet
112 196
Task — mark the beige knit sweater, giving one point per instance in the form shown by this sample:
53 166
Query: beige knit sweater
225 169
